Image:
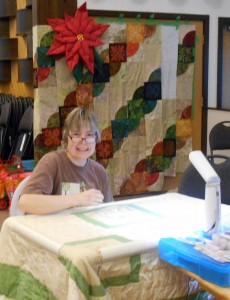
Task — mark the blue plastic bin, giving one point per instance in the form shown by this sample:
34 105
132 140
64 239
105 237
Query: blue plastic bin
28 165
184 255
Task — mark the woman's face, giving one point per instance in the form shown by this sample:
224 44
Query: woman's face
81 144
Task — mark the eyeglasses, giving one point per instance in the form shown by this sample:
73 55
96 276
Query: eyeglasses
77 138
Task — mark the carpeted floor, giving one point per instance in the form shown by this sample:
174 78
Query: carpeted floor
3 215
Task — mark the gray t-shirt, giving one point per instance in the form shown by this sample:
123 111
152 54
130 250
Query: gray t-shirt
55 171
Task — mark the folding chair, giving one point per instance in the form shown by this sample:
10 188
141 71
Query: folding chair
14 208
23 143
219 137
192 184
4 130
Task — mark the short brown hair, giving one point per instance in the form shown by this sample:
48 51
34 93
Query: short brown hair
76 118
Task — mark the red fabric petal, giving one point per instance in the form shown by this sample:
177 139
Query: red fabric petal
73 26
94 43
100 30
75 47
56 24
73 62
85 24
67 39
67 18
88 58
56 48
89 26
85 47
82 7
80 16
89 37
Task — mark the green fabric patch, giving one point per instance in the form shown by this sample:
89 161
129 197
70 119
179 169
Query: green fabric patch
100 290
156 75
18 284
149 106
98 88
135 266
171 132
43 59
185 54
139 93
47 39
122 113
78 71
87 289
136 109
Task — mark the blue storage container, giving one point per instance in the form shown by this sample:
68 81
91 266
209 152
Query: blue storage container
28 165
184 255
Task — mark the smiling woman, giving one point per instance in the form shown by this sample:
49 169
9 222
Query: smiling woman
58 179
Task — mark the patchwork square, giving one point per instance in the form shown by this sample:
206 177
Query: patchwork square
133 124
135 33
118 52
169 149
104 149
43 73
84 95
185 54
152 90
106 133
154 163
44 60
120 129
70 99
51 137
63 113
149 106
149 30
136 109
158 149
114 68
183 127
102 75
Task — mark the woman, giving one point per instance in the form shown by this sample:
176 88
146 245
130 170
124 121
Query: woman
68 178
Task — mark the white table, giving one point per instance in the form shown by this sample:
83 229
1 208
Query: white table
99 252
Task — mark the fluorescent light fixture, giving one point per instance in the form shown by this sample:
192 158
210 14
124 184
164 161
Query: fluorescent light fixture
212 191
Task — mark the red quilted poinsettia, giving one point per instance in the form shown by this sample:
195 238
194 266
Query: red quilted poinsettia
75 37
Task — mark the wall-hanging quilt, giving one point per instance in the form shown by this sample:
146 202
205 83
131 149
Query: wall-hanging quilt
138 80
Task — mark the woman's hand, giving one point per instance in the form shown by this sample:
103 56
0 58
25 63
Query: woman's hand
89 197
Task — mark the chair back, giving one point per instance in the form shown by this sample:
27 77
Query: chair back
192 184
4 130
23 143
14 208
219 137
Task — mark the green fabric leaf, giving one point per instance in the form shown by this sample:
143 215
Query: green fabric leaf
78 71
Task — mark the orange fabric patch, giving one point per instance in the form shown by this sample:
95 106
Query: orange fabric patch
84 95
184 127
135 33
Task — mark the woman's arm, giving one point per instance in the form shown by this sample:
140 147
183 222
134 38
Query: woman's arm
45 204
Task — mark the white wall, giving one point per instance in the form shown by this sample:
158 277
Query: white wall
213 8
